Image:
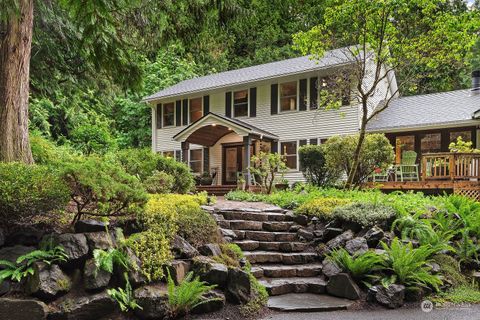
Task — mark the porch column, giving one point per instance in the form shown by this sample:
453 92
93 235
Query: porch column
185 149
247 141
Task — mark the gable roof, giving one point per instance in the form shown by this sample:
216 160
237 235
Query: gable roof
211 127
436 109
254 73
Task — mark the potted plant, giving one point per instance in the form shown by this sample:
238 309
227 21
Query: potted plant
241 183
282 185
206 179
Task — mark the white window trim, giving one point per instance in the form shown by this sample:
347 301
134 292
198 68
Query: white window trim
248 103
174 114
296 153
189 108
201 161
279 106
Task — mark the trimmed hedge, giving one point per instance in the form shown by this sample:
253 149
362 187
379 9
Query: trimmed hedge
321 207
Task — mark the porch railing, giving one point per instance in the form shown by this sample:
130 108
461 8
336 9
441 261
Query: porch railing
450 166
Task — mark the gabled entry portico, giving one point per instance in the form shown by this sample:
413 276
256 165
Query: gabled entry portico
235 156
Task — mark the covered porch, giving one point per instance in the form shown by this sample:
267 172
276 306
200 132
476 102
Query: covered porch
226 145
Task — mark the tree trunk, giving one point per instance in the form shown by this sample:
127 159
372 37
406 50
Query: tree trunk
15 47
361 138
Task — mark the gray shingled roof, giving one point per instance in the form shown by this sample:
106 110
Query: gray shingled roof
254 73
445 108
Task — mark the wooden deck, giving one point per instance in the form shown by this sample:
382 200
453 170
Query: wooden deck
423 185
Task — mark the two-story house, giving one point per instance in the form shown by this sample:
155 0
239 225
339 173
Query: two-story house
216 122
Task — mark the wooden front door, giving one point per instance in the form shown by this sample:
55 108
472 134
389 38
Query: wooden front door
232 163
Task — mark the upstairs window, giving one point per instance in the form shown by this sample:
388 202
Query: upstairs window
289 152
168 114
240 103
288 96
196 110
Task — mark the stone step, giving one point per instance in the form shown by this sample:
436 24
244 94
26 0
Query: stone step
256 216
307 302
266 236
275 226
279 257
250 245
280 286
287 271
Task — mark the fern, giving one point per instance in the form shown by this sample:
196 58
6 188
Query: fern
466 249
187 295
409 264
124 297
360 265
105 260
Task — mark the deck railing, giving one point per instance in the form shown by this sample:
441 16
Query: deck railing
450 166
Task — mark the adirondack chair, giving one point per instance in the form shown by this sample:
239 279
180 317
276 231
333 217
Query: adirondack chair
380 176
408 168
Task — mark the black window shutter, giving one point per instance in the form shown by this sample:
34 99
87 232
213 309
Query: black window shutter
302 142
185 111
274 99
206 105
159 116
178 155
228 104
313 93
178 113
303 94
253 102
206 160
314 141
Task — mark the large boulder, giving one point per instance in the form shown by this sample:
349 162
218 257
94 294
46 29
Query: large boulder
99 240
342 285
238 286
210 271
25 236
210 249
88 307
178 269
5 287
330 232
75 245
2 237
373 236
305 234
357 245
182 249
215 300
94 279
135 275
22 309
392 296
340 241
48 281
82 226
330 268
12 253
154 302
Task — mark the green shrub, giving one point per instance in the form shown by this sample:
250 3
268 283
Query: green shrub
29 190
267 168
94 137
409 265
143 163
47 152
314 167
450 269
377 152
159 182
321 207
102 188
365 214
231 255
360 266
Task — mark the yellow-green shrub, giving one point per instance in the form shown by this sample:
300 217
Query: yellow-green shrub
166 215
321 207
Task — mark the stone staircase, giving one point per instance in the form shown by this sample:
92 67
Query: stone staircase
283 262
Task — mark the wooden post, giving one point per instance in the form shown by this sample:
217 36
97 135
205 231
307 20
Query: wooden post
247 141
451 167
424 168
185 151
